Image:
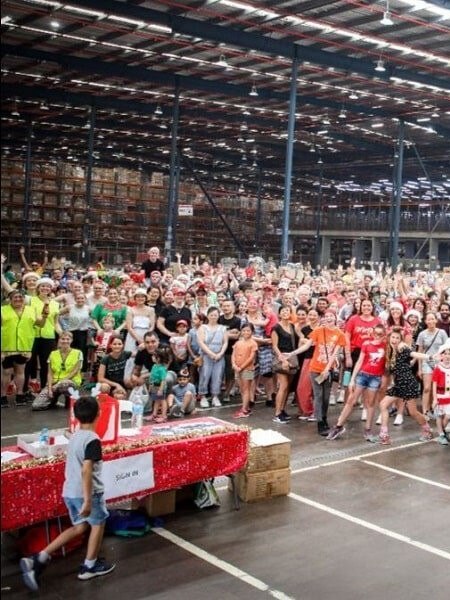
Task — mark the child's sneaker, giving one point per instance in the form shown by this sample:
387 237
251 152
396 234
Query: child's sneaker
280 419
336 432
241 414
215 402
341 397
332 400
31 569
364 414
204 402
442 439
426 435
369 437
100 568
384 439
398 419
378 421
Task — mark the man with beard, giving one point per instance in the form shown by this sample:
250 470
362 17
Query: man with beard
444 318
233 325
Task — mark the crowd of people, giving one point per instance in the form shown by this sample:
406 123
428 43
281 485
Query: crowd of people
191 336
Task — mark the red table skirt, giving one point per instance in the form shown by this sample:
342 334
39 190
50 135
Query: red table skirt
30 495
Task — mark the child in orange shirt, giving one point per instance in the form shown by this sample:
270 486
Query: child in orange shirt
243 363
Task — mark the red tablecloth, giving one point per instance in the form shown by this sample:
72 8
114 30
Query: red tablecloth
33 494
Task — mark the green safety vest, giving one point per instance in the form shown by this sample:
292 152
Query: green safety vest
60 369
47 331
18 331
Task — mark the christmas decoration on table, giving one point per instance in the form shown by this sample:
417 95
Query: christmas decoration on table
166 434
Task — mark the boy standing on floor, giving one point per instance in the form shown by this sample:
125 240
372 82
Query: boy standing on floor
83 496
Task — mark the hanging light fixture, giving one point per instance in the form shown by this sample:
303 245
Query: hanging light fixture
387 16
44 106
320 161
15 112
254 91
326 120
342 114
380 66
158 110
222 62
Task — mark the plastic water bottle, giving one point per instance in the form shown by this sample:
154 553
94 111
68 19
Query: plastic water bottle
44 440
137 413
346 378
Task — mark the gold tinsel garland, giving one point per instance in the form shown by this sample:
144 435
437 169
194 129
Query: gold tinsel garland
125 446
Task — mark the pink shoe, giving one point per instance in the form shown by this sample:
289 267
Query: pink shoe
34 386
241 414
385 439
11 389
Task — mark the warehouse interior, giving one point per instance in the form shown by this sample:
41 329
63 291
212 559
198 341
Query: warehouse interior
129 120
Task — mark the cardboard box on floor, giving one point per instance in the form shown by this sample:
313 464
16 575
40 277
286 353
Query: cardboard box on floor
253 487
269 450
157 504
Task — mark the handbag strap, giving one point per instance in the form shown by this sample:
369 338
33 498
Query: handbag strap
432 342
325 344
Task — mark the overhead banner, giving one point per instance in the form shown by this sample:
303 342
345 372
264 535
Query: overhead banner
128 475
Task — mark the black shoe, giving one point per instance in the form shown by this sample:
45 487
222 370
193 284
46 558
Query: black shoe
270 403
322 428
285 415
251 404
21 400
5 402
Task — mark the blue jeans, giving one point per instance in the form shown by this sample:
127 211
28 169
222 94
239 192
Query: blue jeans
211 372
321 392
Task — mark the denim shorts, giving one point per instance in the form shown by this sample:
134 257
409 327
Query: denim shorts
371 382
99 512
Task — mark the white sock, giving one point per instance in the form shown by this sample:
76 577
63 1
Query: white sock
89 563
43 557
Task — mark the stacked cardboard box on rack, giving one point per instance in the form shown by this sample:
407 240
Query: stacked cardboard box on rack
267 472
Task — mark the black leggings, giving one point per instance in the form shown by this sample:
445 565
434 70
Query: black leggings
79 342
41 349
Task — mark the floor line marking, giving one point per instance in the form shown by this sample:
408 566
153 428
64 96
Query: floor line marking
405 474
357 457
357 521
220 564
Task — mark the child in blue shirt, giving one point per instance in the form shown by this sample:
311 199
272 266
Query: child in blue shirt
181 400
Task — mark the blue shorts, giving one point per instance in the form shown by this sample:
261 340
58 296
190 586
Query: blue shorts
99 512
371 382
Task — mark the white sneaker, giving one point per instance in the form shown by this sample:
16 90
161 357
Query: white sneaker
332 401
398 420
341 397
364 414
216 402
378 421
204 403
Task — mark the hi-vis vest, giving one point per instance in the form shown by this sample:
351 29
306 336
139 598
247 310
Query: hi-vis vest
18 331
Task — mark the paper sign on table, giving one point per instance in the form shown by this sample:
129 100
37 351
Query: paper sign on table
128 475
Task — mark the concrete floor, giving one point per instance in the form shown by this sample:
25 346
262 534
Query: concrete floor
350 529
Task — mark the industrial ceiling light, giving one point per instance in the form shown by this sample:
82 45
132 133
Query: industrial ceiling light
44 106
320 161
353 96
326 120
380 66
342 114
387 16
223 61
253 91
158 110
15 112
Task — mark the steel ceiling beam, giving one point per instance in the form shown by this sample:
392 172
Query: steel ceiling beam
256 41
141 74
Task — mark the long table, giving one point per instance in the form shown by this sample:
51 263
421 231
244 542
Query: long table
208 449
